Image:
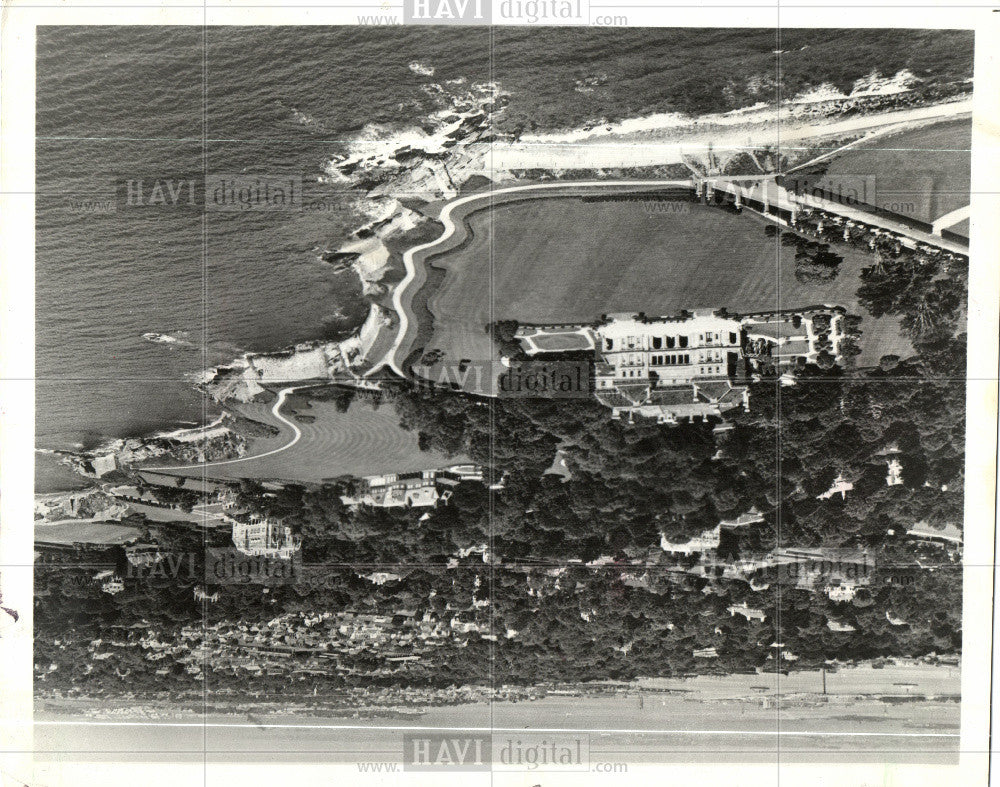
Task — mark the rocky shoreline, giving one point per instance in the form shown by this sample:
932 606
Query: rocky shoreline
419 162
220 439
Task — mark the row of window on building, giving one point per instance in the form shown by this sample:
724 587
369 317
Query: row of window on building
703 370
670 342
680 359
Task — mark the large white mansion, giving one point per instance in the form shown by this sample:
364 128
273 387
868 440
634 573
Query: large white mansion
670 351
691 366
669 368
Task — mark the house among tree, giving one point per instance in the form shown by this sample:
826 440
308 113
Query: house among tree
201 595
840 486
415 490
708 540
750 613
260 536
895 475
110 581
669 368
836 625
841 592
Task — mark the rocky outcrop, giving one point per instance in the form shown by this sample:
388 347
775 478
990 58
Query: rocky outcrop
79 505
245 378
211 443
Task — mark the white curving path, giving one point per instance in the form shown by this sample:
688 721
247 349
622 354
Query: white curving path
283 394
389 359
950 219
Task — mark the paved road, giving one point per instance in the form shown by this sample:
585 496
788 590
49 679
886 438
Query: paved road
756 717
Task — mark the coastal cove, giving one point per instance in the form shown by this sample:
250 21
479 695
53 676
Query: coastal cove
366 309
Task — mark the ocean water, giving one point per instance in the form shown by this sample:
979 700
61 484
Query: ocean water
126 103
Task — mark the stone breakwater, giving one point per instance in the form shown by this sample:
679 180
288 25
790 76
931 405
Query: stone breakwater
252 373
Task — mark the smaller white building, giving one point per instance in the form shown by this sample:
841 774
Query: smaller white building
895 475
201 595
841 592
260 536
748 612
840 486
113 585
836 625
708 540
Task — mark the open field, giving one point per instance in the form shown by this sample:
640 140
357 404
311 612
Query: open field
920 174
365 440
84 531
566 259
412 297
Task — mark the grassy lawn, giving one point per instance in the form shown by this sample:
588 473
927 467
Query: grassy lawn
922 174
570 260
365 440
86 532
560 341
